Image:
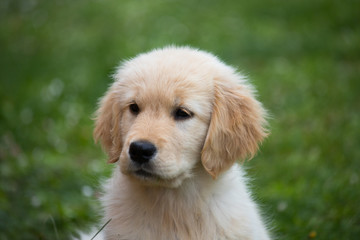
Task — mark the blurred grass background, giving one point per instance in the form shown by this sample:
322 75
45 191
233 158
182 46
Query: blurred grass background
303 56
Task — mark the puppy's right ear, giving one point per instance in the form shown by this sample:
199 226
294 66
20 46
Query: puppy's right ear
107 129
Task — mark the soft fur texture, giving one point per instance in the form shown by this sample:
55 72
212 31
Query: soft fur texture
193 188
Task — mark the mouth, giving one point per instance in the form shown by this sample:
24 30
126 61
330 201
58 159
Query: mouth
144 174
149 177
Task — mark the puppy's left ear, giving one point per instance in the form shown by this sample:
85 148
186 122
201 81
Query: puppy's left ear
107 129
236 127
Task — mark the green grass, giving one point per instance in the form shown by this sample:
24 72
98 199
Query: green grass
303 56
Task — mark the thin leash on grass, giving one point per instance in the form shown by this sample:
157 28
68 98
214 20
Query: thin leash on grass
101 228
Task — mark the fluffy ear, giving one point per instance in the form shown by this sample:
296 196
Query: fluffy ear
236 127
107 129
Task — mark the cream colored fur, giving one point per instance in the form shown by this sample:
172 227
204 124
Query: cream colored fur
196 190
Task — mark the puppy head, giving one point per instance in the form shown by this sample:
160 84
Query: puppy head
173 109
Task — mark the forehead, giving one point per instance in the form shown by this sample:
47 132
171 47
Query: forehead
167 79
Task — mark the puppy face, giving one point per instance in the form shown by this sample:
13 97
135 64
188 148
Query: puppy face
164 110
172 109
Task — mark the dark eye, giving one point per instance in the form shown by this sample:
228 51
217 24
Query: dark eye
182 114
134 108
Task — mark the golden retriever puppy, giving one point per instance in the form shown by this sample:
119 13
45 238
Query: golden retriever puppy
174 121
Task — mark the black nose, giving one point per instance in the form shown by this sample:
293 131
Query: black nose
141 151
